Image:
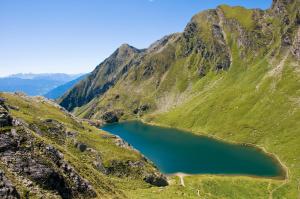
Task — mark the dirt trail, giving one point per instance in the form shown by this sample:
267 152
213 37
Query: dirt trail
272 191
181 178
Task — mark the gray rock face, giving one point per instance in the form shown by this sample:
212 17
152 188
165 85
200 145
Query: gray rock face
158 180
102 78
8 142
29 158
54 154
34 161
7 190
112 116
24 162
5 118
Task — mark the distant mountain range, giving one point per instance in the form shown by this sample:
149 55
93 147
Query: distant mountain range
60 90
35 84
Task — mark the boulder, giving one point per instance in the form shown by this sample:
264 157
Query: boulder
5 118
81 146
156 179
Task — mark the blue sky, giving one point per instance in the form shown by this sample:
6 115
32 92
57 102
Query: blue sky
73 36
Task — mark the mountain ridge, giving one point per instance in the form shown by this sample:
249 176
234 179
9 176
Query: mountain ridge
215 52
232 74
33 84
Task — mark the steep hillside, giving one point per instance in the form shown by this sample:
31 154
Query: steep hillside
102 78
47 152
176 67
234 74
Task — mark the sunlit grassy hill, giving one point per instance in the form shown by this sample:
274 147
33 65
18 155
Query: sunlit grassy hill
233 73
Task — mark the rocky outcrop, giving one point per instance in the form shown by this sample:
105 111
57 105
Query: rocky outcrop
22 154
130 169
35 161
112 116
31 154
5 118
7 190
156 179
102 78
279 6
50 128
159 45
296 45
141 109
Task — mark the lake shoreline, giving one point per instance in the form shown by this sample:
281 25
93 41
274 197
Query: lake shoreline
276 159
284 172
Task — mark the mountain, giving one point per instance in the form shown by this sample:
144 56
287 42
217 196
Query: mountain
60 90
45 152
102 78
34 84
233 74
50 76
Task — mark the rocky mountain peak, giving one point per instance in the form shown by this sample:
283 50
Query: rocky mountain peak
125 51
161 43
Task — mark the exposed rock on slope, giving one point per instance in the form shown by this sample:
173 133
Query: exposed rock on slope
29 157
40 152
7 190
102 78
234 74
165 74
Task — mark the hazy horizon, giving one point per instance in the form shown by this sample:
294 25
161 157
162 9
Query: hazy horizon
30 73
73 37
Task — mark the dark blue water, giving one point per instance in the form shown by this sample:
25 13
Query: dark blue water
174 151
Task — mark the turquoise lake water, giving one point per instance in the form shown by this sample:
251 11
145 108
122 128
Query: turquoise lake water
173 151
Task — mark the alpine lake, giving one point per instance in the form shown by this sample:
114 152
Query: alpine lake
176 151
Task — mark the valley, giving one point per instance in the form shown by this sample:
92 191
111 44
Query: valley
211 112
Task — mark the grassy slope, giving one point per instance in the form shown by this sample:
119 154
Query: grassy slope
33 110
249 104
265 117
257 102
